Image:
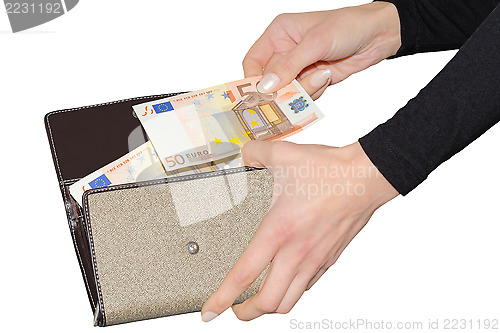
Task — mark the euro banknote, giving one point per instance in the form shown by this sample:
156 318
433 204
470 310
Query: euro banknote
140 164
213 124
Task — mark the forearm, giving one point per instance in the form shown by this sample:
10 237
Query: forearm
456 107
437 25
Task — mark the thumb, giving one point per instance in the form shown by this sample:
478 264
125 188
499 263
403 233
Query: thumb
257 153
281 73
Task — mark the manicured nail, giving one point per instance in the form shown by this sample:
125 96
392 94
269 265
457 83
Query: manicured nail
207 316
320 77
268 82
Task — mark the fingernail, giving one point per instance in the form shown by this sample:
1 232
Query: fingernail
207 316
268 82
320 77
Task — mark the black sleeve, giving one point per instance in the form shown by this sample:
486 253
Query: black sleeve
456 107
438 25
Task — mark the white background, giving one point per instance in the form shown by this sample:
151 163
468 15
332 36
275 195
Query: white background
431 255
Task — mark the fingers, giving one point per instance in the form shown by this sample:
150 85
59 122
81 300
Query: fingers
290 65
286 281
330 261
282 283
252 66
291 270
316 277
310 268
316 82
258 56
294 293
257 153
249 266
269 297
274 59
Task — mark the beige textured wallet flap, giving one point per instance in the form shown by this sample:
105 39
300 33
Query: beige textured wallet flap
161 248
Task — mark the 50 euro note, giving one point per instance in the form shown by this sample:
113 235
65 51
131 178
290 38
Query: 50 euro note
141 164
213 124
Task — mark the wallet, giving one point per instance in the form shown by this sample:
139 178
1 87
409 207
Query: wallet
151 248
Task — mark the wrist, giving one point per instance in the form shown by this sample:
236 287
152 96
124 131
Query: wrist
378 190
387 26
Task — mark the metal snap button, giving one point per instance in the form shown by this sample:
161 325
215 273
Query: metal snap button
193 247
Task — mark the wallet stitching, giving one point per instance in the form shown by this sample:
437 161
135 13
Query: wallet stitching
70 180
166 181
94 261
110 103
62 180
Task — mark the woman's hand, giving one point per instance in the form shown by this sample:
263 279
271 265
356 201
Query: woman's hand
323 48
323 196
